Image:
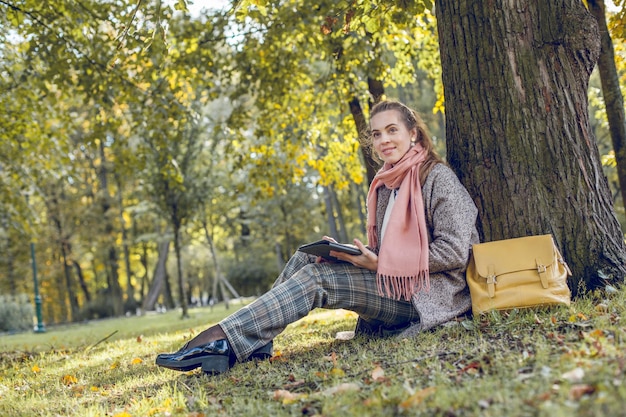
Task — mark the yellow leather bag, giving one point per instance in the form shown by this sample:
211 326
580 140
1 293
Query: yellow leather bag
517 273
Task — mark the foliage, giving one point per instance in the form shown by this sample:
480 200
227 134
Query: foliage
16 313
561 362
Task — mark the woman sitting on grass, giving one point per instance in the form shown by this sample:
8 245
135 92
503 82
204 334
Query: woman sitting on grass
410 277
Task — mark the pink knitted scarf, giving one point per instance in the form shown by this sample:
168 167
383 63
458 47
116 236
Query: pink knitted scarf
403 256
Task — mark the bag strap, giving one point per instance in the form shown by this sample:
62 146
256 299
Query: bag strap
491 280
543 272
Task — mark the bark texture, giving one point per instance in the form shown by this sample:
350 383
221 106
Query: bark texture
613 100
517 128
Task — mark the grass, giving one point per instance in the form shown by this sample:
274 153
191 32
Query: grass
565 361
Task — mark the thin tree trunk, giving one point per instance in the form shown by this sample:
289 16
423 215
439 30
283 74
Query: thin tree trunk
613 99
360 199
62 240
377 91
182 299
115 290
343 233
81 281
330 214
515 78
130 290
371 166
219 279
159 277
144 279
224 295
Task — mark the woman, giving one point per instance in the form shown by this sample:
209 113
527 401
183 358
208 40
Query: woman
410 277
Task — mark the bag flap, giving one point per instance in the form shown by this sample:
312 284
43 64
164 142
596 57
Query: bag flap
511 255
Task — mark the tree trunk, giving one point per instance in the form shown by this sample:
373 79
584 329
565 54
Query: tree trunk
182 299
62 240
159 277
219 279
330 214
144 278
130 290
71 294
517 127
343 233
376 90
115 290
81 281
362 127
613 100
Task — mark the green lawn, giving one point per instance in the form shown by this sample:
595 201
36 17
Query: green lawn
558 362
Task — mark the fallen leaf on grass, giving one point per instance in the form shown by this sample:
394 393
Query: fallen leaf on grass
276 356
417 398
69 379
136 361
578 390
332 357
378 374
287 397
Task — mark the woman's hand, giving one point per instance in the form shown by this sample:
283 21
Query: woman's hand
367 259
319 259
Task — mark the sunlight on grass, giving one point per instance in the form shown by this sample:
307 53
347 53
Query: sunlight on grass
548 362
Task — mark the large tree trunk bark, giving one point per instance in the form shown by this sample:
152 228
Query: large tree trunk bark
517 127
613 100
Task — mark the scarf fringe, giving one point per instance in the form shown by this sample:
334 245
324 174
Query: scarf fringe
398 288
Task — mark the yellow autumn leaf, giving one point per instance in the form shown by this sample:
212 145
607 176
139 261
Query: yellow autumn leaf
122 414
136 361
337 372
69 379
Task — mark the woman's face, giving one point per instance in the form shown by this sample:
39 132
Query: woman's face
390 136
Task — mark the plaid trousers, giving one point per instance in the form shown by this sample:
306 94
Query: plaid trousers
304 285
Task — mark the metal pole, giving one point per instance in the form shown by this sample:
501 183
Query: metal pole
39 328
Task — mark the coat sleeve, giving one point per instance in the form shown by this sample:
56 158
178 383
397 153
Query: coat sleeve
451 218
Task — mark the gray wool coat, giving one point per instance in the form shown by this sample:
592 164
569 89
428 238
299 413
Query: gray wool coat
451 220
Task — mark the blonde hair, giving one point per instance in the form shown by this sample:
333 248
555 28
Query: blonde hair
411 120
